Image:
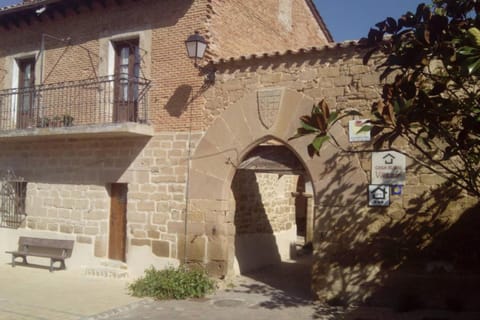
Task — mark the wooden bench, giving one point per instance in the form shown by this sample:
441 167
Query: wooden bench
56 250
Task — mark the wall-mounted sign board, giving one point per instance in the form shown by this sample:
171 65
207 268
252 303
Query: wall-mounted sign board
355 132
378 195
388 167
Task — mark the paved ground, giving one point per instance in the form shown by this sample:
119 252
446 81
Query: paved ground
35 294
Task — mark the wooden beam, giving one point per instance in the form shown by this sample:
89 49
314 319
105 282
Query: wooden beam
26 18
51 14
5 24
62 10
75 7
89 4
14 19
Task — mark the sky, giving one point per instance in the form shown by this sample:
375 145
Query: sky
348 19
352 19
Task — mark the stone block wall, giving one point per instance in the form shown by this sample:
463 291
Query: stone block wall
364 254
68 182
264 202
80 210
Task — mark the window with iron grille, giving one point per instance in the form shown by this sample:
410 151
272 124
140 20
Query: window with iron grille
12 203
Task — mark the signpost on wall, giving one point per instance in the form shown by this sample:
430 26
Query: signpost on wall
378 195
388 170
355 132
388 167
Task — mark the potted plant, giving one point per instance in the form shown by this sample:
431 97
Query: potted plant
67 120
43 122
57 121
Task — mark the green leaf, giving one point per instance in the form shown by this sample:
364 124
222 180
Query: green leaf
472 67
475 35
308 127
396 106
467 51
365 128
353 113
318 142
333 117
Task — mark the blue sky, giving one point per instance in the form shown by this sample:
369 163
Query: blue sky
349 19
352 19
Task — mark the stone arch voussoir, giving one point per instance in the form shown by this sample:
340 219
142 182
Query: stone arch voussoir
258 116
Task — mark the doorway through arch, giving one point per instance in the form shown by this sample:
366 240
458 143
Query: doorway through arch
273 218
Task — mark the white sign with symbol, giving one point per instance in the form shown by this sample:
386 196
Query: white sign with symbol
355 131
378 195
388 167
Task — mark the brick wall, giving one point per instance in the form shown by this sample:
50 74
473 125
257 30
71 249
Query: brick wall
75 52
245 27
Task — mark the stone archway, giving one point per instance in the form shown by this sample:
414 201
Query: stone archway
259 116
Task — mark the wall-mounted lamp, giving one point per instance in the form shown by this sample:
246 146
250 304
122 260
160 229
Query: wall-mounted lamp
196 46
40 10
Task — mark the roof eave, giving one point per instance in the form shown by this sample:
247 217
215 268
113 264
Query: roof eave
25 7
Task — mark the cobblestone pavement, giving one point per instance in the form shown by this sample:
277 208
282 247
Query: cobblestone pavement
281 293
250 299
35 294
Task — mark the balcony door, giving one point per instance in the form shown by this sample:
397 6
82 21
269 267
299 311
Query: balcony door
26 93
127 71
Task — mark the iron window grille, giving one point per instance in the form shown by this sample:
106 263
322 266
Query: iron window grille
12 203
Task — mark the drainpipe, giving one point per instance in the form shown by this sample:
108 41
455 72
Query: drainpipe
41 53
187 182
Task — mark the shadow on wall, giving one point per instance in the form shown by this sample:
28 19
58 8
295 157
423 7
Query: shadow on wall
179 101
425 255
72 161
291 60
152 14
255 244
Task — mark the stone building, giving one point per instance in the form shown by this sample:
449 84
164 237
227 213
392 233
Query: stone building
173 167
100 109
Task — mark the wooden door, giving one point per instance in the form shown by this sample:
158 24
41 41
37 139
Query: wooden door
127 69
118 221
26 93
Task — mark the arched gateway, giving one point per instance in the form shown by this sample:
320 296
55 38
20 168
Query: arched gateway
265 115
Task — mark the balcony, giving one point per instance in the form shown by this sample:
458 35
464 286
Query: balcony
106 106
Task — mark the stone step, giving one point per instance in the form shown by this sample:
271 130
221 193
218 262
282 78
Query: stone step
114 264
107 269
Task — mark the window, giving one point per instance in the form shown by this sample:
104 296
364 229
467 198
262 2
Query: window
26 94
12 203
127 72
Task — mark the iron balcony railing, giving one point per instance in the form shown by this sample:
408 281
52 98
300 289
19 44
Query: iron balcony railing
104 100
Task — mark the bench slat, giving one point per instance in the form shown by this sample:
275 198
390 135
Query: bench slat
34 254
55 249
46 243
